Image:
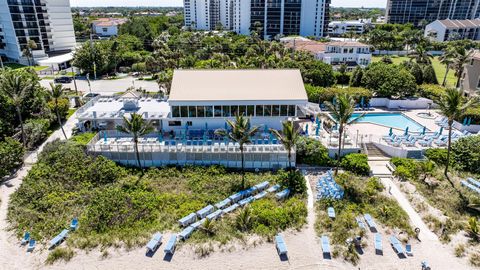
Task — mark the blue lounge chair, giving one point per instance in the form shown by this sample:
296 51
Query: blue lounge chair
474 182
331 212
198 223
215 215
171 244
371 224
205 211
223 204
26 238
74 224
231 208
260 195
248 192
378 243
282 194
273 188
262 186
185 221
408 249
360 223
186 233
153 244
58 239
236 197
425 265
280 244
397 246
246 201
31 245
325 245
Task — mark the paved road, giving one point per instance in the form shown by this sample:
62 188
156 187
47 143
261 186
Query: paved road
108 87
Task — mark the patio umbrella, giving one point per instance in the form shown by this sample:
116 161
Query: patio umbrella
206 126
469 122
362 102
317 130
441 130
334 101
317 120
105 137
390 133
306 129
424 130
226 126
160 136
406 131
465 120
265 129
204 137
270 138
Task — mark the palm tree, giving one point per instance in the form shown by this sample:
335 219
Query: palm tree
136 126
27 51
453 106
15 87
342 112
447 59
241 133
289 138
421 55
461 59
56 93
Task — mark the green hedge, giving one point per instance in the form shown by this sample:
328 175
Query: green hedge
312 152
356 163
466 153
431 91
320 94
11 155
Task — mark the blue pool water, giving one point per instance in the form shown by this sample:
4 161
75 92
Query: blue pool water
395 120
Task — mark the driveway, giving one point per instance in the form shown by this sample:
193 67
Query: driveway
108 87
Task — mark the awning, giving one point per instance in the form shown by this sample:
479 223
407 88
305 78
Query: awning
59 59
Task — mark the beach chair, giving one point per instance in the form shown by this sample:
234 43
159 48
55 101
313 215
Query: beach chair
31 245
215 215
273 188
426 143
260 195
171 244
202 213
408 249
397 246
371 224
360 223
187 220
280 244
378 243
325 245
246 201
236 197
223 204
282 194
331 212
153 244
198 223
58 239
473 181
74 224
231 208
26 238
186 233
425 265
262 186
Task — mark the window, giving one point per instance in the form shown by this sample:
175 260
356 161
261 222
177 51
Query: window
259 110
174 123
208 111
200 111
283 110
250 110
226 111
233 110
267 110
183 111
189 123
192 111
242 110
291 110
275 110
175 111
217 111
105 29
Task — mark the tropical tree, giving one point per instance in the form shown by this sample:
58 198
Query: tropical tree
56 92
474 228
421 55
447 59
136 126
164 80
342 111
15 88
27 51
453 106
459 62
241 133
289 138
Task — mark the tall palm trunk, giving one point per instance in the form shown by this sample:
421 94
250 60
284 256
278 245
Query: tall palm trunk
458 79
243 167
289 159
19 114
445 77
450 123
59 119
340 135
137 154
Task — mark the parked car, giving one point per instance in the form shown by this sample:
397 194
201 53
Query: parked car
90 95
63 79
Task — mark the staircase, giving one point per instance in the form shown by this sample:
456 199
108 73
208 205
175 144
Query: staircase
374 153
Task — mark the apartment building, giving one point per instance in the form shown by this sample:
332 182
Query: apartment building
271 18
444 30
419 11
107 27
47 22
339 28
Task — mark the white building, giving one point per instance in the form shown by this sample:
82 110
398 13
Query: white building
339 28
107 27
47 22
336 53
444 30
470 81
270 18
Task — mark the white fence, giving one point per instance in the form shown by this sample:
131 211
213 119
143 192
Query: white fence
412 103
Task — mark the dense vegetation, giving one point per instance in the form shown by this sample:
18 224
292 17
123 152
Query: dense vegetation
312 152
356 163
11 155
115 205
361 196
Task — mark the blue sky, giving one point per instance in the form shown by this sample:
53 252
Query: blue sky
91 3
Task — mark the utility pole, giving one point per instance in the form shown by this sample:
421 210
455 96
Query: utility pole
74 81
93 58
88 81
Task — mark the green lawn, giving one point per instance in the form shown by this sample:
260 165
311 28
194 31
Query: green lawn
437 66
17 66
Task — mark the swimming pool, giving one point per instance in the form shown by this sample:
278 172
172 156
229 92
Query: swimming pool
395 120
